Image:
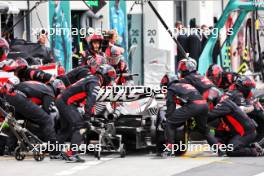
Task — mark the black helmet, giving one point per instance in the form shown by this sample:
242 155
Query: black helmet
168 78
57 86
213 96
215 73
245 84
107 72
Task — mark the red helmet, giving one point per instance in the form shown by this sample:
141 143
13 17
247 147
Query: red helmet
114 55
94 38
4 49
186 66
215 73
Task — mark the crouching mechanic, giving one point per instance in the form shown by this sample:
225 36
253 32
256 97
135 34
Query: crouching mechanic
241 88
242 92
187 70
68 102
237 129
34 101
192 105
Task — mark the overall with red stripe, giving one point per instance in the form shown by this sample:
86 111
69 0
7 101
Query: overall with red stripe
201 83
192 105
93 58
23 71
84 90
247 99
240 129
238 121
39 93
27 97
75 75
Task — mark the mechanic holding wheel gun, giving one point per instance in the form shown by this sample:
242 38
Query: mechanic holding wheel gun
84 90
235 127
241 88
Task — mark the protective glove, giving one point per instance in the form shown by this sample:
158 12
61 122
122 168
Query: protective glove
52 107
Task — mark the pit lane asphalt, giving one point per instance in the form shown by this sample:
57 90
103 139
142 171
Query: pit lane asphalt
137 164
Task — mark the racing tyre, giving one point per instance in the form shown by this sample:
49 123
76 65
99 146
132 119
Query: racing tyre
38 156
18 154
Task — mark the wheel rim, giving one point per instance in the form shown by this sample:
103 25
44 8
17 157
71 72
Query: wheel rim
18 154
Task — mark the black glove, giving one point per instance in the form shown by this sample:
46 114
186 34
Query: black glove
87 125
87 117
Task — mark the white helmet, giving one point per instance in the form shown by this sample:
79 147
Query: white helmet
187 66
